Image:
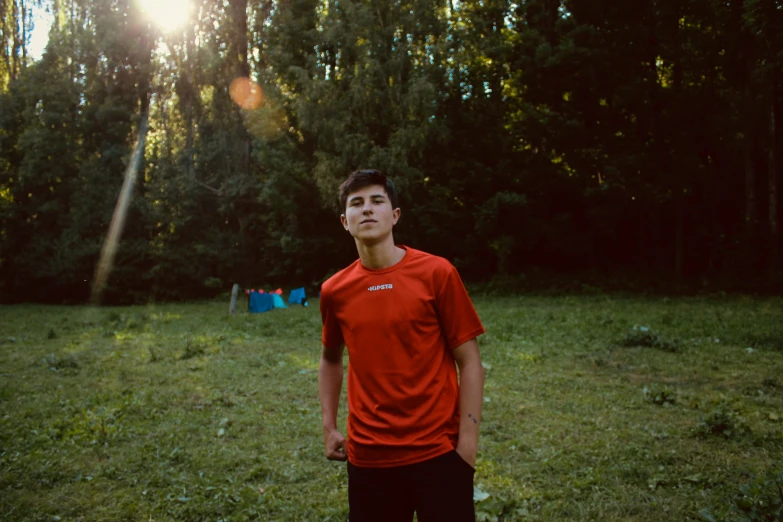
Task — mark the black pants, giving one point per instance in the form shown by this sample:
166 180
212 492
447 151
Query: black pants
438 490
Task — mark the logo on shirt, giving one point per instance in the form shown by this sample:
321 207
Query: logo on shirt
379 287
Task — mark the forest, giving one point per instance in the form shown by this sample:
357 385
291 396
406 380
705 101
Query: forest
606 144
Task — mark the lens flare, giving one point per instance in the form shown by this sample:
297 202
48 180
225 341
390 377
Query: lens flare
109 250
246 93
167 14
268 122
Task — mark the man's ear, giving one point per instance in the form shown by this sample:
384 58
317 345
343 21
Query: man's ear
344 221
396 214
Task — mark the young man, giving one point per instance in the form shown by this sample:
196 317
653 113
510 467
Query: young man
405 318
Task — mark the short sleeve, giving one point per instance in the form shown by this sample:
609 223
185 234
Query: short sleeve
331 333
458 318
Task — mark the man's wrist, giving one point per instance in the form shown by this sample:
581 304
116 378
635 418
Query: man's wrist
468 442
468 447
468 453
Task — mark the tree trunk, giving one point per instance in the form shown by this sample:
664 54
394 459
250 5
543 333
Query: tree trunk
242 70
748 58
714 198
679 246
166 128
14 71
189 101
669 162
24 33
773 189
4 50
750 188
234 293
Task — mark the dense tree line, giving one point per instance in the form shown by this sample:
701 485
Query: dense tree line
538 137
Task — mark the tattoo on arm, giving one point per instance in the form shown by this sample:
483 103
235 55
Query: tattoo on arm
471 417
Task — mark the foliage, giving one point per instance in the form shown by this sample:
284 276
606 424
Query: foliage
661 396
590 141
761 499
722 421
183 412
643 336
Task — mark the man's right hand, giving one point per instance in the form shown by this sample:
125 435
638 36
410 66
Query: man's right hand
335 445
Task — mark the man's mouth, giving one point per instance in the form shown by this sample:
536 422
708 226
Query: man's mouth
368 221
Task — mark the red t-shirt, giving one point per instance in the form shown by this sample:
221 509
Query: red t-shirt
400 325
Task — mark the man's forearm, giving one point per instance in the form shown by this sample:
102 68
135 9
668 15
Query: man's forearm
330 382
471 396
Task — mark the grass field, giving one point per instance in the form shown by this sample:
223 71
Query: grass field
597 408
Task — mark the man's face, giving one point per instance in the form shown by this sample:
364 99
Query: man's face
369 215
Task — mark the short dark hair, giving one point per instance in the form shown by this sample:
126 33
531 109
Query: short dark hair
364 178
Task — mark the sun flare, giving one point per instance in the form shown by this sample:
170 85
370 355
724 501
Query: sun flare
167 14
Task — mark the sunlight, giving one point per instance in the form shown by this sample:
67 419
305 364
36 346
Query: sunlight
167 14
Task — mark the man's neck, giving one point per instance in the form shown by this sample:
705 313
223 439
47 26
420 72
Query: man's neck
380 255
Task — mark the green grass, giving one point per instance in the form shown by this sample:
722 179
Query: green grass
597 408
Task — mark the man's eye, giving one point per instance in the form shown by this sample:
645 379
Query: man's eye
355 203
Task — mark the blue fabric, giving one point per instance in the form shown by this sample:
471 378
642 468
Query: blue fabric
278 301
297 296
260 303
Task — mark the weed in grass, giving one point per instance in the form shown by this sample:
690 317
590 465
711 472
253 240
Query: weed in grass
659 395
761 498
132 324
192 350
494 508
97 426
772 341
642 336
723 421
64 362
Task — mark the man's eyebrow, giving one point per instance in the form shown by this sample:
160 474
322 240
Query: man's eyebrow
373 196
